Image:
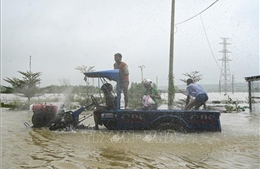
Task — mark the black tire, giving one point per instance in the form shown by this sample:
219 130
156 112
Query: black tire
170 124
57 126
68 117
40 119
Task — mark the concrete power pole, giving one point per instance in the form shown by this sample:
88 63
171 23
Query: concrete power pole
170 81
225 77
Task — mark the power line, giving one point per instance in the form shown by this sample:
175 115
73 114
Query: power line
208 41
203 28
197 14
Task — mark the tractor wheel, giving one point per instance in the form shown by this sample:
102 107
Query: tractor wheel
68 118
40 119
57 126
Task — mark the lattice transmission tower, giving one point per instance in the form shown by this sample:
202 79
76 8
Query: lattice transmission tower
225 76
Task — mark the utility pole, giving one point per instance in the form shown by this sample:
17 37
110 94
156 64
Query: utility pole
30 64
233 84
156 81
141 67
170 81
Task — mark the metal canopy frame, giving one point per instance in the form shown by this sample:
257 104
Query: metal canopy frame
249 80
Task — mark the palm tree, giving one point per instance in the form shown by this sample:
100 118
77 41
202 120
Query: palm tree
195 76
27 86
84 94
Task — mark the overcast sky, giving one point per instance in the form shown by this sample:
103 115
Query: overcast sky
60 35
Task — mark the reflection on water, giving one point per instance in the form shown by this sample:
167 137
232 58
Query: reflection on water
237 146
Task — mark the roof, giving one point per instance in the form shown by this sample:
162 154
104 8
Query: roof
253 78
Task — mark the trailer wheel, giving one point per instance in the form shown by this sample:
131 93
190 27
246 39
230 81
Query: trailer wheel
170 124
40 119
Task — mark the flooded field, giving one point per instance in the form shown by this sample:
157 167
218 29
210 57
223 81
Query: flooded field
237 146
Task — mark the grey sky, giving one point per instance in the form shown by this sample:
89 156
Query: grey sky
63 34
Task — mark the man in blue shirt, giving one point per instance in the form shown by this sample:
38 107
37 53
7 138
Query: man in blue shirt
195 90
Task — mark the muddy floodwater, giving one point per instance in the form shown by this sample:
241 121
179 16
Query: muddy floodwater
237 146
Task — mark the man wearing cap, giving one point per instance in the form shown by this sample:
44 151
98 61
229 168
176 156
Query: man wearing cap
151 95
124 75
195 90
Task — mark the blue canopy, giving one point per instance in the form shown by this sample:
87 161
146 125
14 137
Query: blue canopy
109 74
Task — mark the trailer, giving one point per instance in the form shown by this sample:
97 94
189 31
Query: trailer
115 118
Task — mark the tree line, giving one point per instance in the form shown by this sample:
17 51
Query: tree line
28 87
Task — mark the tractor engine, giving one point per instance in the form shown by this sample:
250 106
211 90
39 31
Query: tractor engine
43 114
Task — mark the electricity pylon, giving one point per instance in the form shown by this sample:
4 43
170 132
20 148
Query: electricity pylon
225 76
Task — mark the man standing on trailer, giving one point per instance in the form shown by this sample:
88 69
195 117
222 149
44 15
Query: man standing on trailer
124 75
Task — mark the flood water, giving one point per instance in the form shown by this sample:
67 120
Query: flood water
237 146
